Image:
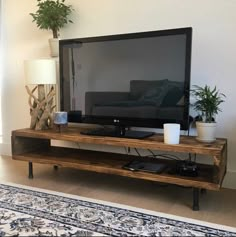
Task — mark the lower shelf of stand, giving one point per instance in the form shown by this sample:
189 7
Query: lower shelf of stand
112 163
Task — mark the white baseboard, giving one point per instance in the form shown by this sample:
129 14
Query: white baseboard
229 180
5 149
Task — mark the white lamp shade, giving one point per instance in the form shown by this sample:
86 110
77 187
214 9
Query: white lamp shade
40 71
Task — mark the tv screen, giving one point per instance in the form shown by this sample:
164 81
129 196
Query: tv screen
129 80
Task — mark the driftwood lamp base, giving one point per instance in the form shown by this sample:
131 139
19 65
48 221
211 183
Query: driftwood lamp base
41 108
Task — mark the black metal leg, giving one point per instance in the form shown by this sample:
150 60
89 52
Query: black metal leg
203 191
30 170
195 199
55 167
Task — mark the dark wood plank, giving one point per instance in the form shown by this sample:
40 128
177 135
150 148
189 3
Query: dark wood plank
112 163
34 146
24 144
155 142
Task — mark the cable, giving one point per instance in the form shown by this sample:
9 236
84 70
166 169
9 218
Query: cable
153 155
151 152
137 152
78 145
127 150
190 121
189 156
165 156
169 156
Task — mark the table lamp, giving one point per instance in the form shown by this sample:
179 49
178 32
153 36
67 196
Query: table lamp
40 72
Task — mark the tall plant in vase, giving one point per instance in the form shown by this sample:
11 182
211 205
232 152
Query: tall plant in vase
207 104
52 15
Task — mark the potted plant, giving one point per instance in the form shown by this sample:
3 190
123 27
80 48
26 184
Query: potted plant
207 103
52 15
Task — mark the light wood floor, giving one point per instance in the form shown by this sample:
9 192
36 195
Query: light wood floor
217 207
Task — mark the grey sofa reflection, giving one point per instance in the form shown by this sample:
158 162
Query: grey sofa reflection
146 99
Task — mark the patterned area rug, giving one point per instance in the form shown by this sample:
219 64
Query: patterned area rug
26 211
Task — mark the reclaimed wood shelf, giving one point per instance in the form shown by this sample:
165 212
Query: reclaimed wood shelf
35 147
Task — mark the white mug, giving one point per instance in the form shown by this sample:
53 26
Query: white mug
171 133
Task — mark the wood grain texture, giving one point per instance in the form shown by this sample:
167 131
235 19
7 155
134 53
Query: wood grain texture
25 144
111 163
156 142
34 146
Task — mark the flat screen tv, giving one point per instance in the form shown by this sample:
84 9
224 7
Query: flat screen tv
127 80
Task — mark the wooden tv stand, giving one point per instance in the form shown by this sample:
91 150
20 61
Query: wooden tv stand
35 147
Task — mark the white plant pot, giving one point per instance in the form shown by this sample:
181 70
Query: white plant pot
206 131
54 47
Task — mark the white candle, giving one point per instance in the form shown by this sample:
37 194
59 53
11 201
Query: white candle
171 133
60 118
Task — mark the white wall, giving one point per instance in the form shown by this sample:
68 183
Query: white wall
21 40
213 52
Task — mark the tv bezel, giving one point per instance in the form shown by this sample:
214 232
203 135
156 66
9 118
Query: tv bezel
134 122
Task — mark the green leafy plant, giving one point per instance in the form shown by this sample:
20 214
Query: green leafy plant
52 15
207 102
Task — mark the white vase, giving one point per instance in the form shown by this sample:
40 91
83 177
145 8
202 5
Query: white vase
206 131
54 47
